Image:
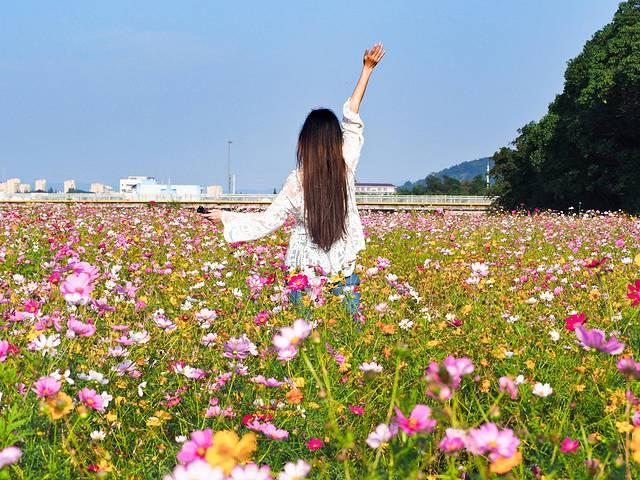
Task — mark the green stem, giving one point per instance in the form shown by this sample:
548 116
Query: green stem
394 392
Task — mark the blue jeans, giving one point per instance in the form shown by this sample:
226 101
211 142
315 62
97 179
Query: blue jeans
351 299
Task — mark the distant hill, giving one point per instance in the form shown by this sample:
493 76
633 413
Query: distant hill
461 171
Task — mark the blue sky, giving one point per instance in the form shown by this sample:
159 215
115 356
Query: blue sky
99 90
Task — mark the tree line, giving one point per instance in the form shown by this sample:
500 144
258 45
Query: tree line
586 149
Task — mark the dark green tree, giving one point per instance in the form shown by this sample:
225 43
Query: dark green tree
587 147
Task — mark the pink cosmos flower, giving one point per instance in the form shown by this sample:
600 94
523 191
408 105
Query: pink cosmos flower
508 385
286 342
46 387
76 327
569 446
573 320
597 339
443 379
91 399
419 421
489 439
634 292
454 440
77 289
195 448
9 456
382 435
4 350
85 267
629 368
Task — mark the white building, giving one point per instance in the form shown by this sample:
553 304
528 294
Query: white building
214 190
24 188
375 188
160 189
13 185
40 185
100 188
132 183
69 185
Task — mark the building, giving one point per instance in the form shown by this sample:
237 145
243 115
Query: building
100 188
40 185
375 188
3 187
24 188
214 190
13 185
69 185
131 183
160 189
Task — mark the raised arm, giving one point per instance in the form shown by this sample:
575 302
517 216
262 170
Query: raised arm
371 59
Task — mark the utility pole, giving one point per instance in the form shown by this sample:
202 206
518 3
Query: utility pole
229 166
488 182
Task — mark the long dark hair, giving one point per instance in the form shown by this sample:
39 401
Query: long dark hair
324 177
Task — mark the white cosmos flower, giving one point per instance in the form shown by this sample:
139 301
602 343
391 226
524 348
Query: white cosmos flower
295 471
141 386
97 435
45 344
66 376
541 390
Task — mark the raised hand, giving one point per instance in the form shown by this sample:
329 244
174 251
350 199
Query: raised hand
372 57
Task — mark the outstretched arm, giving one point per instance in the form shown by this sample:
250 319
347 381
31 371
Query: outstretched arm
371 59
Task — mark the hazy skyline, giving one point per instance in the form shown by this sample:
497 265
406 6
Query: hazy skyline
98 91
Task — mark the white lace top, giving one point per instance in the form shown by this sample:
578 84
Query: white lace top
303 254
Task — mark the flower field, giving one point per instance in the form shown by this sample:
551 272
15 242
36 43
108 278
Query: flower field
136 344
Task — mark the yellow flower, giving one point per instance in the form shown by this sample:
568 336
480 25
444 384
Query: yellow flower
624 427
228 449
59 405
634 445
503 465
637 260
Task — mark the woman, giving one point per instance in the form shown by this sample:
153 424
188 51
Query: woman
320 193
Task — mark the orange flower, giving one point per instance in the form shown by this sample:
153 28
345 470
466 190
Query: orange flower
503 465
294 396
59 405
228 449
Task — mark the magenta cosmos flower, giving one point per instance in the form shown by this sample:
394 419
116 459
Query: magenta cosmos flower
46 387
419 421
76 288
195 448
569 446
298 282
597 339
489 440
572 320
634 292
